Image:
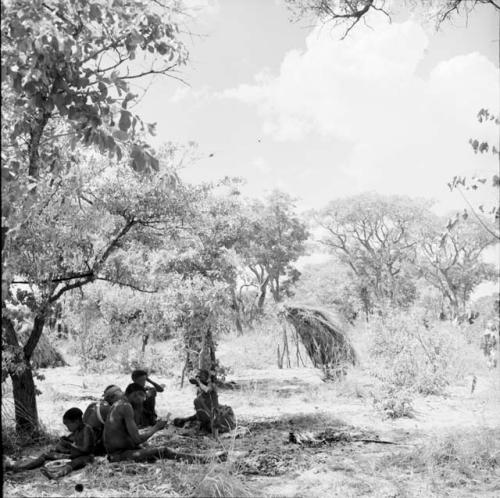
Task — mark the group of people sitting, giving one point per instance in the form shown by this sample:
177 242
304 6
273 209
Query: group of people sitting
120 423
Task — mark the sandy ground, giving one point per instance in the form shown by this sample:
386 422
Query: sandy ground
272 402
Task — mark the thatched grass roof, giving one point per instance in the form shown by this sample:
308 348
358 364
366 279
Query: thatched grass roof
324 336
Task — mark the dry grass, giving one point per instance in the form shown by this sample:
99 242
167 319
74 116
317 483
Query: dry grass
269 403
221 482
324 338
454 459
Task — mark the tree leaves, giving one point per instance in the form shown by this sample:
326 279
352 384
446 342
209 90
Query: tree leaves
75 61
138 159
125 120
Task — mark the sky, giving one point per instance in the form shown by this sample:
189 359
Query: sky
291 106
285 105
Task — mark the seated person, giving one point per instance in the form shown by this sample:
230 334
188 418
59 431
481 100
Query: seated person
77 447
212 416
96 414
147 417
122 439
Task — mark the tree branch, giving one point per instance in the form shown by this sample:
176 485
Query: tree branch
124 284
496 235
57 279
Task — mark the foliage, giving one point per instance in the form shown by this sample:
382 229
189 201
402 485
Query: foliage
151 360
396 403
93 345
473 184
202 313
488 308
409 355
274 239
349 13
451 261
331 285
69 68
375 236
90 226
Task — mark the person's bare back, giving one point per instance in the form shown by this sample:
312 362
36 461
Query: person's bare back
122 438
117 435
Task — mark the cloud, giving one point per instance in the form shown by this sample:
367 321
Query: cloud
408 134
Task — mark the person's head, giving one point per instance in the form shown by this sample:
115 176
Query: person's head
203 376
136 394
139 377
73 419
112 393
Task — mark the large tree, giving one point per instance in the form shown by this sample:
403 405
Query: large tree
375 236
451 260
275 239
67 73
85 228
67 70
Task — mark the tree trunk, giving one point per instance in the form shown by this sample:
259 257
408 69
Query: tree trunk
26 411
23 385
237 311
275 290
207 354
145 339
262 294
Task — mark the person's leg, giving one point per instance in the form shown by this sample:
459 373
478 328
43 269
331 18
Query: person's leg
226 421
80 462
27 464
56 455
180 422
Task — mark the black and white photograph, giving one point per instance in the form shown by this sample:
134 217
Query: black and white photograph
250 248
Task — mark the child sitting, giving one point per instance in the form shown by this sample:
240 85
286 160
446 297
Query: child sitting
78 447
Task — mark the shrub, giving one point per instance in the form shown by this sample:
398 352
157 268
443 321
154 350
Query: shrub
152 360
92 344
411 354
395 403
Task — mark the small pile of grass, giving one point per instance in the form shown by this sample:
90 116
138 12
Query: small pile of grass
220 482
324 337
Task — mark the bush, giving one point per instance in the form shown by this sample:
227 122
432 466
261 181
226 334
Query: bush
411 354
152 360
395 403
92 344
